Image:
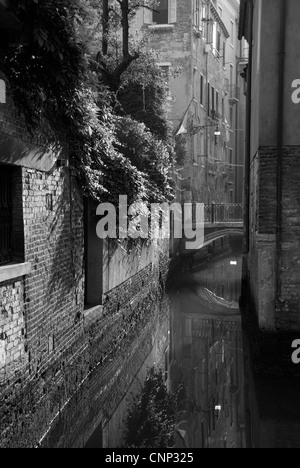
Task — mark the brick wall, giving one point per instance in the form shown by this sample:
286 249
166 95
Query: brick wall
117 344
41 314
289 315
90 366
60 375
262 259
54 289
12 329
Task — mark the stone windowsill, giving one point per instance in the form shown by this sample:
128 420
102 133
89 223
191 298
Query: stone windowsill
162 27
14 270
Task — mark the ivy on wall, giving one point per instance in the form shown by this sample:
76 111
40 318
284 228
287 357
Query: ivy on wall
55 83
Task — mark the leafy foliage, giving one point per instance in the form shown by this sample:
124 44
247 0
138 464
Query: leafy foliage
47 68
148 154
151 422
143 96
55 83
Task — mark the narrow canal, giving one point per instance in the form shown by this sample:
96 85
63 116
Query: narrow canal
206 352
197 343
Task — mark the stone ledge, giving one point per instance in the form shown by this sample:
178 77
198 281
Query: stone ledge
162 27
13 271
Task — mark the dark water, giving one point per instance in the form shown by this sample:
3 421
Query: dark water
199 345
206 355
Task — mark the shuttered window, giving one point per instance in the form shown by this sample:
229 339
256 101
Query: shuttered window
161 13
165 13
5 215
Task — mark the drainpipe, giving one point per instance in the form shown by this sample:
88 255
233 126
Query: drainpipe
280 128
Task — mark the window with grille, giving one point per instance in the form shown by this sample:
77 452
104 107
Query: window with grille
11 215
6 220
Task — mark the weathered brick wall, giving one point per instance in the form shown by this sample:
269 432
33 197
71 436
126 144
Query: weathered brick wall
58 368
289 315
117 345
91 376
41 314
262 258
12 329
54 289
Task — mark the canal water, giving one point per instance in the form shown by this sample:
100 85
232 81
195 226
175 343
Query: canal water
198 346
206 353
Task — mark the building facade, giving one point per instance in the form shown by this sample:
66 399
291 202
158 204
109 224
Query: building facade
272 181
78 316
199 52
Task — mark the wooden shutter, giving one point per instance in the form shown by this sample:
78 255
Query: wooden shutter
172 11
2 92
148 16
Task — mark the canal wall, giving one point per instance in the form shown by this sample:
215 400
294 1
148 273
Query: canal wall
68 351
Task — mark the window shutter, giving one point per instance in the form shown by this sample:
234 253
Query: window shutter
148 16
172 11
2 92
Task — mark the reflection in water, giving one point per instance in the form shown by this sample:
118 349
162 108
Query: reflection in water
206 357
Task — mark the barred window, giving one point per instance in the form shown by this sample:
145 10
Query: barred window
6 253
11 215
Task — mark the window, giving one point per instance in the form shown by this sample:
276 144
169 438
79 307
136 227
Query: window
218 43
230 159
195 148
223 108
194 81
217 102
202 90
231 74
208 99
5 215
11 215
231 117
212 99
165 13
93 253
217 40
197 14
231 33
224 54
161 13
202 149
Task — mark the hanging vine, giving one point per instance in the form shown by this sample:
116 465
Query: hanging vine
56 85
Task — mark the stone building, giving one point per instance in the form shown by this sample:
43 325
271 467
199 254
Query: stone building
272 182
200 55
78 317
